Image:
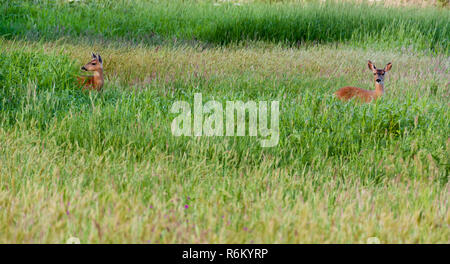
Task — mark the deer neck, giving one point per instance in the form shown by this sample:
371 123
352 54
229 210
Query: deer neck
98 77
379 88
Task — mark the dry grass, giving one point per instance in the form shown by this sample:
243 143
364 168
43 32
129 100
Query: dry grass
140 65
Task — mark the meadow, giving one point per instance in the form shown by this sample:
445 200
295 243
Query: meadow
105 167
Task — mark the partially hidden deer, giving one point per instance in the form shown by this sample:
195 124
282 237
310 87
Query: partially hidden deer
348 92
94 82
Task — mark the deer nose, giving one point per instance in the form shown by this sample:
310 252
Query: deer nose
378 80
83 68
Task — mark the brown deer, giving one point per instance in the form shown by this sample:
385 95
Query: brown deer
94 82
348 92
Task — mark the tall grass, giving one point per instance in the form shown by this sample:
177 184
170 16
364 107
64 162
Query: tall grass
187 21
37 89
105 167
77 164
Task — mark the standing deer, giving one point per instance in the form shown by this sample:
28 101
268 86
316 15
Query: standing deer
94 82
348 92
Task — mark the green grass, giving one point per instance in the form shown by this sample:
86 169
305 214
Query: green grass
192 21
106 168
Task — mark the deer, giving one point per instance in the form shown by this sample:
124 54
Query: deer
348 92
94 82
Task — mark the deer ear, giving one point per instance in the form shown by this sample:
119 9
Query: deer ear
94 56
388 67
371 66
100 59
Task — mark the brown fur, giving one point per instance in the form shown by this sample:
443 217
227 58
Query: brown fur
96 81
349 92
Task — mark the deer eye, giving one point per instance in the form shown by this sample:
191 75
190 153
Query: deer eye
94 63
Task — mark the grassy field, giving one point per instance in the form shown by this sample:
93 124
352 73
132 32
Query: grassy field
105 167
